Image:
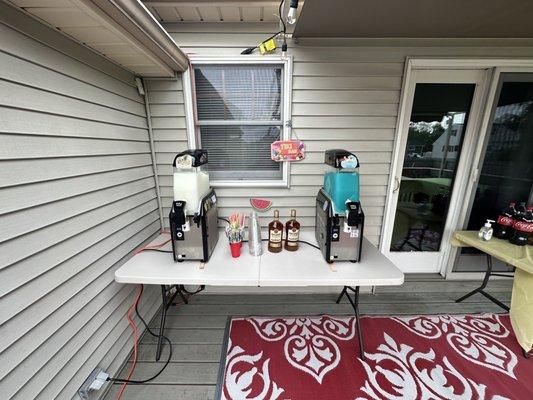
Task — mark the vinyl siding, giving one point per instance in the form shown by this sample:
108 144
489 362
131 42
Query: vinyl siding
344 95
77 197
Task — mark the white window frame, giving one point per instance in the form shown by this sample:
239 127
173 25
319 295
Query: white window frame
193 131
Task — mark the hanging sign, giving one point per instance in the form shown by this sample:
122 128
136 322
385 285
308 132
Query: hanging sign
287 150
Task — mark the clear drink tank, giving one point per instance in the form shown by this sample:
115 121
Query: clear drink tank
191 182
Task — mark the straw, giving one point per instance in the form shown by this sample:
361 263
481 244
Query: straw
235 228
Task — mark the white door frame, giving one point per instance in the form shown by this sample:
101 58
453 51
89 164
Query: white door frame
498 65
477 163
414 74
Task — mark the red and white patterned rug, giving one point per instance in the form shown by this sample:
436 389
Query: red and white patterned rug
433 357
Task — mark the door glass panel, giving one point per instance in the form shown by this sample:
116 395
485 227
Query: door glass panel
507 170
437 125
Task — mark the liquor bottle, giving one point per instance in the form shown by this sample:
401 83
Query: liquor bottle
504 224
275 232
292 233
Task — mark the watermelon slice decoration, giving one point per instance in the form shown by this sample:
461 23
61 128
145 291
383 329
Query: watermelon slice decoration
260 205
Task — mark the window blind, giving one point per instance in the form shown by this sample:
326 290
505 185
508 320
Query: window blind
239 112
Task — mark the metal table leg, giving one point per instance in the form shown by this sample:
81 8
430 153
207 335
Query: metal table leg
167 302
481 289
179 288
355 306
340 296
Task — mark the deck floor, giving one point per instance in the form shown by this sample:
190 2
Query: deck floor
196 330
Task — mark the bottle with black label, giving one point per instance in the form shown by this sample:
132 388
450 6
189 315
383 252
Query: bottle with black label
292 233
275 233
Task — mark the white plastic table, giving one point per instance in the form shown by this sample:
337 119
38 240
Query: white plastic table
305 267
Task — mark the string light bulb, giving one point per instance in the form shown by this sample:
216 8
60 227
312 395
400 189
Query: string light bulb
291 16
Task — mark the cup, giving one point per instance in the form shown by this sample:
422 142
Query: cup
235 249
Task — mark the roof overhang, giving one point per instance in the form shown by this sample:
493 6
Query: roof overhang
483 19
123 31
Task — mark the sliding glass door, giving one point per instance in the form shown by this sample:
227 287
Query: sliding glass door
440 112
506 167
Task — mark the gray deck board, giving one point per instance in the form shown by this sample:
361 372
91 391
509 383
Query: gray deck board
326 308
182 352
164 392
196 330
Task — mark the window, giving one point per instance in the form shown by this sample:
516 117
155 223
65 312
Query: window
240 111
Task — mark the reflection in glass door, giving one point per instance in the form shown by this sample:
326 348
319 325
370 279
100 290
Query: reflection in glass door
436 130
506 172
434 150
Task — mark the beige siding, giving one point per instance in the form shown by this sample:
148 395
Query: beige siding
77 197
335 104
343 96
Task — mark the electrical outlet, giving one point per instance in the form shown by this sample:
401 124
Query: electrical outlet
94 382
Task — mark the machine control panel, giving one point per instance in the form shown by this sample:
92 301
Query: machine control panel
178 220
335 233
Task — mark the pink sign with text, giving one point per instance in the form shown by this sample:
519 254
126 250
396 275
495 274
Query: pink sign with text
287 150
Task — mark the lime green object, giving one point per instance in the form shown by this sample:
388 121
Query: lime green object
521 257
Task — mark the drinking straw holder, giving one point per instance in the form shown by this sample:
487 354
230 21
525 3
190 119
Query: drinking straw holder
235 234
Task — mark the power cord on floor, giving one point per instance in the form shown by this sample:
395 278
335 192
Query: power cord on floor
125 382
136 307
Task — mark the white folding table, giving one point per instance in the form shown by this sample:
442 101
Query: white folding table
305 267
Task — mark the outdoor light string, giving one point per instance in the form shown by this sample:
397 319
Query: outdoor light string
250 50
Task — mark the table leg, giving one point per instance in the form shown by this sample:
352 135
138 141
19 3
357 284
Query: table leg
179 288
164 308
342 294
166 303
355 306
481 289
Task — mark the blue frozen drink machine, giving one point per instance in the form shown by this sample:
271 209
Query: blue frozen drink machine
339 216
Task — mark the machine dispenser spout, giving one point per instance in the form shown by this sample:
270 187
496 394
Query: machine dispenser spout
179 218
353 213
